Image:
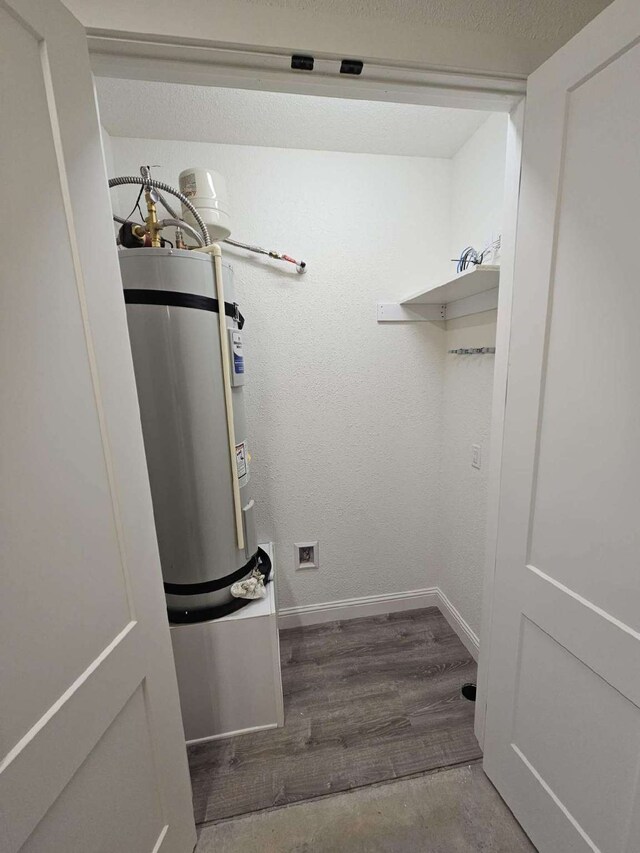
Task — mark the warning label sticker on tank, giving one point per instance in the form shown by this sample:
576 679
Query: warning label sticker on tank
238 357
241 459
188 185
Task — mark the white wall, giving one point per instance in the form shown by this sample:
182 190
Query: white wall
361 432
345 414
477 186
476 218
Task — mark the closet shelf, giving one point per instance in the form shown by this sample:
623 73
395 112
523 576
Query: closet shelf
469 292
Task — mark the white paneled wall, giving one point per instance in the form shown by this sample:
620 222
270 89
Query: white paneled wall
352 422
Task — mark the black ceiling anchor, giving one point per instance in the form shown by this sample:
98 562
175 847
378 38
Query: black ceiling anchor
301 63
351 66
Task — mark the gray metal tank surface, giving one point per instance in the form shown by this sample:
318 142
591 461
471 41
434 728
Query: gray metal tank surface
177 362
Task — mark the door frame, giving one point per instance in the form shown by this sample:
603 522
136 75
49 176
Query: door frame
499 402
153 58
208 63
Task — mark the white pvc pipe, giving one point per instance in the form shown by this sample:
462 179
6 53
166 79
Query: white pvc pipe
215 250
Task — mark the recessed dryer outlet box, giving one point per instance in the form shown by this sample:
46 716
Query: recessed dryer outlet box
306 555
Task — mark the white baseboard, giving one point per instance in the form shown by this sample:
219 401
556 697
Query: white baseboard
462 628
355 608
377 605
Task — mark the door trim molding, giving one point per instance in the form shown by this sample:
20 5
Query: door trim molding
208 63
499 402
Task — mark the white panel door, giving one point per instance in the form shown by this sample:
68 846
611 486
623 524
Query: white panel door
562 739
92 755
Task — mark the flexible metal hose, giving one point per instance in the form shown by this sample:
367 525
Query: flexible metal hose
301 266
167 188
180 223
167 206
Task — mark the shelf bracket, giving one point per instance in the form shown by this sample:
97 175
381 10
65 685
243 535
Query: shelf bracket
396 312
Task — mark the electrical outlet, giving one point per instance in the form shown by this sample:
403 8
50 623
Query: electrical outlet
306 555
476 456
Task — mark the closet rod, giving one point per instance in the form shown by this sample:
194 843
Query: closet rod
472 350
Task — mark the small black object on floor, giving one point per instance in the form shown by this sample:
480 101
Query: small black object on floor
469 691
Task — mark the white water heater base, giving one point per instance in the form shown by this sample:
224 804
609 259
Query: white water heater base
228 670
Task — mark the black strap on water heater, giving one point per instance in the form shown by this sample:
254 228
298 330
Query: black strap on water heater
138 296
217 611
217 583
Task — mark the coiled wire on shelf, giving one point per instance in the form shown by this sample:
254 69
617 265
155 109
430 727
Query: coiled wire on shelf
161 186
470 255
467 257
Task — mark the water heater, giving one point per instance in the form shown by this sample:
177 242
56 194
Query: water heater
172 313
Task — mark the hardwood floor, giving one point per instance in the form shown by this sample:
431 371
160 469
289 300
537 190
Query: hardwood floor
366 700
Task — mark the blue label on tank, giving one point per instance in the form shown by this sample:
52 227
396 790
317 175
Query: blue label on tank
238 363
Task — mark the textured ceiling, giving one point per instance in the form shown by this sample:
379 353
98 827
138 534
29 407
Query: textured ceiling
511 37
531 19
241 117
